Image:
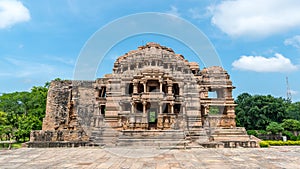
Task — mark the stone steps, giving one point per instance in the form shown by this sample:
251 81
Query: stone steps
151 142
104 136
231 138
154 138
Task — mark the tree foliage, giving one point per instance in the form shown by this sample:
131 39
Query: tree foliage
293 111
258 111
274 128
291 124
21 112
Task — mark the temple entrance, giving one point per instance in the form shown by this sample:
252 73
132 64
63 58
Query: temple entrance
152 118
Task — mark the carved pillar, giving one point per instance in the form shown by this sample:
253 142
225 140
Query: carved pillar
132 107
145 86
181 89
160 86
99 110
172 107
170 88
135 87
144 107
160 107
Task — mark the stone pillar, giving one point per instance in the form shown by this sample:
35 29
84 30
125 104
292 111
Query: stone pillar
145 86
160 86
160 107
144 107
183 109
135 87
99 110
170 88
132 107
180 89
172 107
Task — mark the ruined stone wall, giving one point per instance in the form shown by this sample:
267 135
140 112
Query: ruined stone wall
57 108
68 112
83 99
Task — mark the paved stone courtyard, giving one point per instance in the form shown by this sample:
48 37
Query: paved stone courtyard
131 158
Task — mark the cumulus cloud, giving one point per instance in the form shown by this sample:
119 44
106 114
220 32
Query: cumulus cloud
278 63
293 41
256 18
12 12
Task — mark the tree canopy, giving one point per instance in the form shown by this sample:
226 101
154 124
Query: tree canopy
21 112
258 111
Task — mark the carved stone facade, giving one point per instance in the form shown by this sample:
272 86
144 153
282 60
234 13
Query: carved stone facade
151 91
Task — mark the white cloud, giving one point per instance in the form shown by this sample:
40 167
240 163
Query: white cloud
173 11
195 13
293 92
293 41
12 12
27 68
200 13
256 18
278 63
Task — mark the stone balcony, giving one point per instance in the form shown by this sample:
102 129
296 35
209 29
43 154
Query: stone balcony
153 95
217 101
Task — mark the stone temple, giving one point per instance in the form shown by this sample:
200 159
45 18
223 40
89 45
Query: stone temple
153 97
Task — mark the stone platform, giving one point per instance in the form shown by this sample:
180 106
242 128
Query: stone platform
132 158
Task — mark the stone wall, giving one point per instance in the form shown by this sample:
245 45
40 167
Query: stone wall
69 112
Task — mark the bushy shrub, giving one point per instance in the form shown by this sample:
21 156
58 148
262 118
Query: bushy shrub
262 132
294 138
268 143
264 144
252 132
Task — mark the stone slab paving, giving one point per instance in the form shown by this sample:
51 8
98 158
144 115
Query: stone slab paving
136 158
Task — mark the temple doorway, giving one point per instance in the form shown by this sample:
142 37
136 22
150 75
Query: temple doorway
152 118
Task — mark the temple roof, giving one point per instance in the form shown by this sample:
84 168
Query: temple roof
150 47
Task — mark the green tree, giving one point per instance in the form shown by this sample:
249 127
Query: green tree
293 111
24 111
256 112
291 125
274 128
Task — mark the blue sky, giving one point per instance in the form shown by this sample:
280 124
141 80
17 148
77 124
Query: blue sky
257 41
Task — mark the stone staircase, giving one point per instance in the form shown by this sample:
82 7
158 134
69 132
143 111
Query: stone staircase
153 138
229 134
233 137
104 136
173 139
